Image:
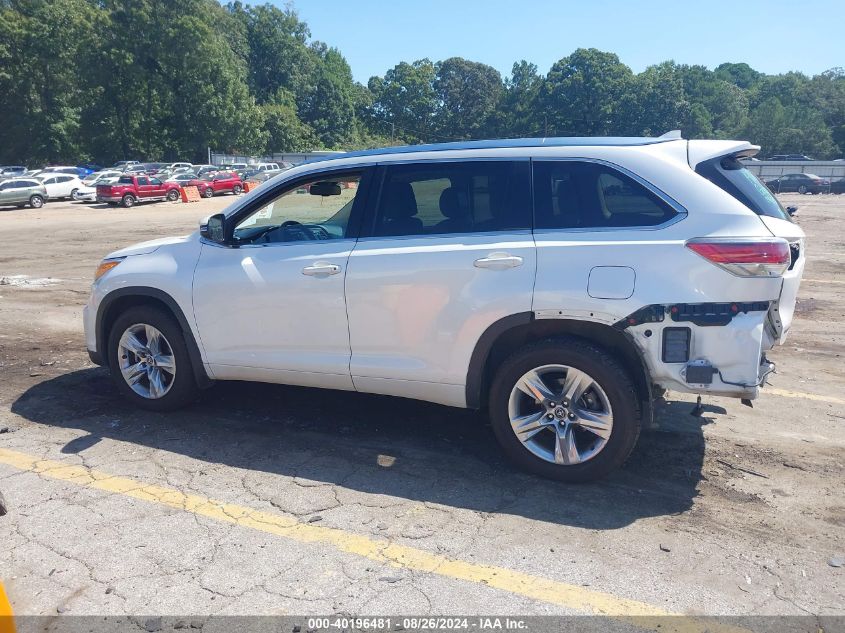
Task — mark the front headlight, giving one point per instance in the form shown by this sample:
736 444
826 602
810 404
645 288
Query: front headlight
105 266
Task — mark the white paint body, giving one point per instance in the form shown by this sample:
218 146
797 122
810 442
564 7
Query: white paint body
60 185
404 314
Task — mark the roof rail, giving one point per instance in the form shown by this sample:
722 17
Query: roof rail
560 141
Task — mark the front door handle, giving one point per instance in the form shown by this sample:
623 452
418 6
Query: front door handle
321 269
499 261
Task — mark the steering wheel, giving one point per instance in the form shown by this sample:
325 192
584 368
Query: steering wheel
289 223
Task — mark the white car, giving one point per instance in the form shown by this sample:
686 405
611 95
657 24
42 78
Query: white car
175 166
92 179
88 191
60 185
182 178
558 284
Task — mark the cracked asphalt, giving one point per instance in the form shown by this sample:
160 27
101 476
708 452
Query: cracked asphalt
274 500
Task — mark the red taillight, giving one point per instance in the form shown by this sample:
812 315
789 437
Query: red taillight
745 257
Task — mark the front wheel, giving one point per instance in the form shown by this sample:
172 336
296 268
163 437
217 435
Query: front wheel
565 409
128 201
802 189
208 192
173 195
36 201
149 361
74 195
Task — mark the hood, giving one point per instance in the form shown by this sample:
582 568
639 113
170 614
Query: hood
147 247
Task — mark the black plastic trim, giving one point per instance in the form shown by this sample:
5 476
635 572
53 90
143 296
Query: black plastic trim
200 374
701 314
478 360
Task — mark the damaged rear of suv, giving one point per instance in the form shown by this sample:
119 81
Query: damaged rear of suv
556 283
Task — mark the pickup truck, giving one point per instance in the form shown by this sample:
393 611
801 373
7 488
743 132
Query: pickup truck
129 190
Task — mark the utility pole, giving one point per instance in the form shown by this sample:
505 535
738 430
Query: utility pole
545 126
392 131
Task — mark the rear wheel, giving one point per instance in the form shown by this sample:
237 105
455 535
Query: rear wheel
36 201
565 409
237 190
149 361
173 195
802 188
128 201
208 192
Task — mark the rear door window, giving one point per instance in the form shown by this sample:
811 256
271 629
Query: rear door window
733 177
454 197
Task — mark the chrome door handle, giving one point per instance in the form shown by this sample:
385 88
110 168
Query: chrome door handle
321 269
499 261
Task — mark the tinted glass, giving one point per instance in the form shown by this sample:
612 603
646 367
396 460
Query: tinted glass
460 197
125 180
731 176
143 180
583 195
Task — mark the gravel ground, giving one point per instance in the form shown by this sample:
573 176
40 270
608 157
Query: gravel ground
738 512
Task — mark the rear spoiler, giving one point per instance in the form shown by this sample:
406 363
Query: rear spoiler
700 151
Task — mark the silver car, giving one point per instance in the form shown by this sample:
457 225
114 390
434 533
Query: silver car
21 192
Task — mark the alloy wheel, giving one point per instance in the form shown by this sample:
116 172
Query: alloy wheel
560 414
146 360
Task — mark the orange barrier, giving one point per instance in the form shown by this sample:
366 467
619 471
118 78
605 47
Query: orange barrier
190 194
249 185
7 619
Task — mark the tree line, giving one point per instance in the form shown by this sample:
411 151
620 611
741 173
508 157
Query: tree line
102 80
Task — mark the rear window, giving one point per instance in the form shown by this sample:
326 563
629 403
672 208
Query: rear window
731 176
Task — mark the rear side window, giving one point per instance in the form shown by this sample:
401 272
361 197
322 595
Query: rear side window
454 197
575 194
125 180
731 176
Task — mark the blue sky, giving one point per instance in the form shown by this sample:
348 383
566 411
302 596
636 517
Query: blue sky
772 36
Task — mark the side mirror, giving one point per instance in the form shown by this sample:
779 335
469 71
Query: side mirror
325 188
214 228
792 210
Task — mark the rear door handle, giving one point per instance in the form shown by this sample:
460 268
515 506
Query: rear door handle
499 261
321 269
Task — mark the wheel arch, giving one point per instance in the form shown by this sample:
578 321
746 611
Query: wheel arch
506 335
120 300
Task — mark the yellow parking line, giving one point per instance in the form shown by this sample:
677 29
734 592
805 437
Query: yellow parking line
7 620
786 393
575 597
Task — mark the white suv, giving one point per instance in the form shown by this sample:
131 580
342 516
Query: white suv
560 284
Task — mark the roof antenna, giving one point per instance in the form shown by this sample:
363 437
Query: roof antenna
674 134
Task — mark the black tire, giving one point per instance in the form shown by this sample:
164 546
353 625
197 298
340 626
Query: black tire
184 389
74 194
605 370
237 190
128 201
208 192
36 201
802 188
173 195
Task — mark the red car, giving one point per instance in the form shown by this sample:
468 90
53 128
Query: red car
131 189
219 182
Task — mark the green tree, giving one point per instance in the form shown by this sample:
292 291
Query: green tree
468 94
583 94
405 101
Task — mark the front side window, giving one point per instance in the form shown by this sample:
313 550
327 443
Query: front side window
316 210
457 197
575 194
143 180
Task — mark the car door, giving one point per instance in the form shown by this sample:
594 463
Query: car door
143 187
52 187
7 192
270 306
446 252
157 189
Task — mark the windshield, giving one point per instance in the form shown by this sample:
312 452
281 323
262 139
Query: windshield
733 177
